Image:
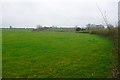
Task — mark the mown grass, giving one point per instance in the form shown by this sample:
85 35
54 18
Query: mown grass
55 54
0 53
111 33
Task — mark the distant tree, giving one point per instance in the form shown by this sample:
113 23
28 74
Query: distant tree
76 26
54 26
110 26
78 29
39 26
45 27
10 27
82 29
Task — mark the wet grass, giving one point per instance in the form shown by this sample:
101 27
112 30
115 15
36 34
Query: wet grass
55 55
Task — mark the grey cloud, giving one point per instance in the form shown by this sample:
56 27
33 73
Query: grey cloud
56 12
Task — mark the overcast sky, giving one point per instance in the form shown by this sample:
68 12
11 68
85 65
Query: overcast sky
66 13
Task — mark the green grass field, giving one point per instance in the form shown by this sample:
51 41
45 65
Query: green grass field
0 53
29 54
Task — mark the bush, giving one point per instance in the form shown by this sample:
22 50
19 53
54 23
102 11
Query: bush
78 29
